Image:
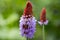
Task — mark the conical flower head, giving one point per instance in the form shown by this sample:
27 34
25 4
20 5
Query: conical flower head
28 9
43 19
43 15
27 22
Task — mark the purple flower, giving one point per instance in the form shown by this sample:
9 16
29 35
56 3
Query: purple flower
27 26
27 22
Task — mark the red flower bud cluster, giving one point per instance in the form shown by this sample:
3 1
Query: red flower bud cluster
28 10
43 15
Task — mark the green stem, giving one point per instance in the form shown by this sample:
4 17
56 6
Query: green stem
27 38
43 33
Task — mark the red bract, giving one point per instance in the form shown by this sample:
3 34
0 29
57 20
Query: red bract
28 10
43 19
43 15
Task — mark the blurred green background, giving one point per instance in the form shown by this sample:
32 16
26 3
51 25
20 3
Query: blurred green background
12 10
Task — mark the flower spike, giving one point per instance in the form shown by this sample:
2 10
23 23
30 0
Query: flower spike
43 15
27 22
43 19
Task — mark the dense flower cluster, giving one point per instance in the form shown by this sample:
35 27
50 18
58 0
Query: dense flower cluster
27 22
43 17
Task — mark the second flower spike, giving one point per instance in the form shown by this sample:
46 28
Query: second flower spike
43 19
